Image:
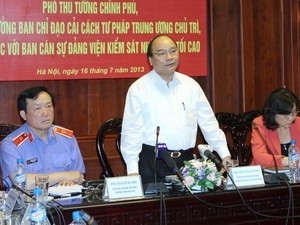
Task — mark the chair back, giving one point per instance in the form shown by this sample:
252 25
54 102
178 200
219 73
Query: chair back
6 129
109 134
237 128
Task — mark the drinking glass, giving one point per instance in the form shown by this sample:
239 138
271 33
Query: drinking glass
42 181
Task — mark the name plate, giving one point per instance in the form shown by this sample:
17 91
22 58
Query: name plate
13 201
245 177
122 188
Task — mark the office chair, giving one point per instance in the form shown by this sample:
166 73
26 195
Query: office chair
6 129
237 128
110 131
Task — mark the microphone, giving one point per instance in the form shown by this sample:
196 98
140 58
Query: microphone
155 188
171 164
30 195
202 148
87 218
208 154
270 178
156 142
156 152
20 203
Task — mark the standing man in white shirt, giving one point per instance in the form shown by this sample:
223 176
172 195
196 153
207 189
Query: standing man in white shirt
174 102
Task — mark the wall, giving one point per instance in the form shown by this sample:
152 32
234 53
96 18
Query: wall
253 49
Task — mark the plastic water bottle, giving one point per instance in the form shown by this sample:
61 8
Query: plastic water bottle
37 212
77 219
293 162
20 175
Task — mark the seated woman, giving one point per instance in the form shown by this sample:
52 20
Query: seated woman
274 129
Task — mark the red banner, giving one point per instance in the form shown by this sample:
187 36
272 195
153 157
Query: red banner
51 40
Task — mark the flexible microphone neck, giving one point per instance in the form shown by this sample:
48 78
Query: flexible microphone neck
29 195
254 126
156 142
171 164
21 190
156 187
156 152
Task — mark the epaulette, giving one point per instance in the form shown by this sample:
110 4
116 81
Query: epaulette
63 131
21 138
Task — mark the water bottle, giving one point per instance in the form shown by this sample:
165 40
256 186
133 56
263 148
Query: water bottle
20 175
37 212
77 219
293 162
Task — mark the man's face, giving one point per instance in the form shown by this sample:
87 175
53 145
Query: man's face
165 58
39 112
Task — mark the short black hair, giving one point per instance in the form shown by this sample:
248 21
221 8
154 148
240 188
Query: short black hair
149 49
281 101
31 93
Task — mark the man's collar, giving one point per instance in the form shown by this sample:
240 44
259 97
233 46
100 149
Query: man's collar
157 78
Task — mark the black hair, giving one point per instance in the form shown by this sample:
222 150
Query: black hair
281 101
31 93
149 49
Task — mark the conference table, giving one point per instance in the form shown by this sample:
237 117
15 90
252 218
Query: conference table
272 204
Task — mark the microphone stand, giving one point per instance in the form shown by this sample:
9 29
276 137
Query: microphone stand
156 188
156 152
270 178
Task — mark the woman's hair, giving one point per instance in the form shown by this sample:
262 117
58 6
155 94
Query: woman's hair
281 101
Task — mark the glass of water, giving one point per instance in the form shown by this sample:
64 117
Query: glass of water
42 182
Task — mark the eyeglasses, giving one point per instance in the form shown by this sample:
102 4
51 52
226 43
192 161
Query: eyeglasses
291 115
164 53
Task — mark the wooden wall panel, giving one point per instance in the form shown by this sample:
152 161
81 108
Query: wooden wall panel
89 153
262 49
268 48
224 43
71 105
253 48
291 44
106 99
247 55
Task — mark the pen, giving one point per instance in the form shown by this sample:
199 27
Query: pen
68 195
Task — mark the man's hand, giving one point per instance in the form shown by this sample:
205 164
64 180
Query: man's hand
227 162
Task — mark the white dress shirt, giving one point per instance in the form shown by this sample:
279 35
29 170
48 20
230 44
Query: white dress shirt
177 108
